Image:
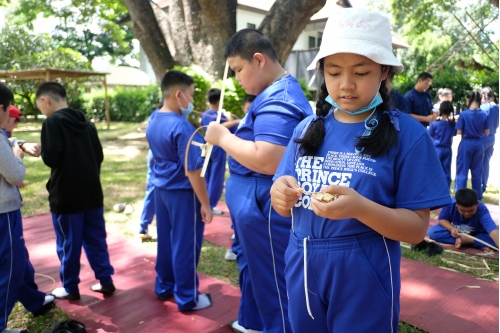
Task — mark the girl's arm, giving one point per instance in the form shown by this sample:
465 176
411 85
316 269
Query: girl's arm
284 194
399 224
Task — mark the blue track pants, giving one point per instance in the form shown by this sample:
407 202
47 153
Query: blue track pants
440 234
470 157
17 276
73 231
353 284
180 236
263 236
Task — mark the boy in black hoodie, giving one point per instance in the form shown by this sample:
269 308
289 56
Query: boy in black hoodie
71 148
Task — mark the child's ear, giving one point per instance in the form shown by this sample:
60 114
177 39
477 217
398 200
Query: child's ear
385 72
260 59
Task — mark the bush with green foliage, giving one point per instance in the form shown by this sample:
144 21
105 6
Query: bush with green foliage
132 104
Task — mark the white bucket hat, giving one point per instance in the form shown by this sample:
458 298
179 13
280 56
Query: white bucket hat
359 31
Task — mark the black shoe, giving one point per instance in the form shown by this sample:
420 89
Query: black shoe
68 326
433 249
420 246
107 289
44 308
164 298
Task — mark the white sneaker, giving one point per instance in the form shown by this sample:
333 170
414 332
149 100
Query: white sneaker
217 211
230 255
145 235
232 237
240 329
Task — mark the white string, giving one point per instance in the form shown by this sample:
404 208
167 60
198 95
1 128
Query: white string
392 287
305 279
274 267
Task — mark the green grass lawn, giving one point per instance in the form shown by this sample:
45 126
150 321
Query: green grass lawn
123 178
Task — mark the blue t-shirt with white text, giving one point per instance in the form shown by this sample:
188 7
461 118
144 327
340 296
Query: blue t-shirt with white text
398 179
479 223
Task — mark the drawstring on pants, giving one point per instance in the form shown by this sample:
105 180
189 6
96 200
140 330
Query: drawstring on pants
305 278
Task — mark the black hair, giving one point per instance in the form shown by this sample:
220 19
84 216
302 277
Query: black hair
175 80
446 108
6 96
213 95
53 89
466 197
246 42
248 99
490 94
383 137
473 96
424 76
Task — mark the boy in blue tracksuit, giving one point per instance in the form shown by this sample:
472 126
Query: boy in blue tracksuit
72 150
181 200
17 276
465 215
489 104
472 125
216 169
254 154
442 132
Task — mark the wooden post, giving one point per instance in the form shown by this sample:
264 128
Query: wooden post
106 102
47 75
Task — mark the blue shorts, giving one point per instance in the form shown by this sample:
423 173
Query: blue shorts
353 284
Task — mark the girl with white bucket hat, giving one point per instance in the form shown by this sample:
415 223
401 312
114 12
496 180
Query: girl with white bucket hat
343 258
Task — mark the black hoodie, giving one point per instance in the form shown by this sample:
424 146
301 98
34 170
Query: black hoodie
71 148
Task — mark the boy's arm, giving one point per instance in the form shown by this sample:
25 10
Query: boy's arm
200 189
450 227
494 236
52 144
12 168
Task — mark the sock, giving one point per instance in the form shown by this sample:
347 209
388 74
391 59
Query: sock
203 302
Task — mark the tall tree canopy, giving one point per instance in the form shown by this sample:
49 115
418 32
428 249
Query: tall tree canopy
88 26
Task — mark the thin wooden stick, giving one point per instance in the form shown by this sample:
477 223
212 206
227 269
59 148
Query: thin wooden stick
486 264
470 287
480 241
219 115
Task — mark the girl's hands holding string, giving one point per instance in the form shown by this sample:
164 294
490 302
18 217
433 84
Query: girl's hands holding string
345 206
284 194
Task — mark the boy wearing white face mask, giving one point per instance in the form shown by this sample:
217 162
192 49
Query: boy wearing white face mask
182 204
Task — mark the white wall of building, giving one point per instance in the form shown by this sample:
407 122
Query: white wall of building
244 17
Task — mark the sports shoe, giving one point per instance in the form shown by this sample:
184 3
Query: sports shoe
217 211
240 329
107 289
145 235
46 306
230 255
232 237
61 293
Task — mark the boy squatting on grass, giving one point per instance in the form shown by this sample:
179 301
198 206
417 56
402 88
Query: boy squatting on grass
466 215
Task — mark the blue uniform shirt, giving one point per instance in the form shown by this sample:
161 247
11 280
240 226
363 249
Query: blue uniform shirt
442 133
479 223
168 135
472 123
399 102
492 112
419 103
211 115
398 179
272 117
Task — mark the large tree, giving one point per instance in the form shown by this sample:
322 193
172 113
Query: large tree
197 30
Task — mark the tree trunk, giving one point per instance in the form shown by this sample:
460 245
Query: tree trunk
494 3
173 28
285 22
209 25
146 30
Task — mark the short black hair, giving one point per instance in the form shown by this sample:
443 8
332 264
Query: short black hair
246 42
175 79
248 99
53 89
213 95
6 96
424 76
466 197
